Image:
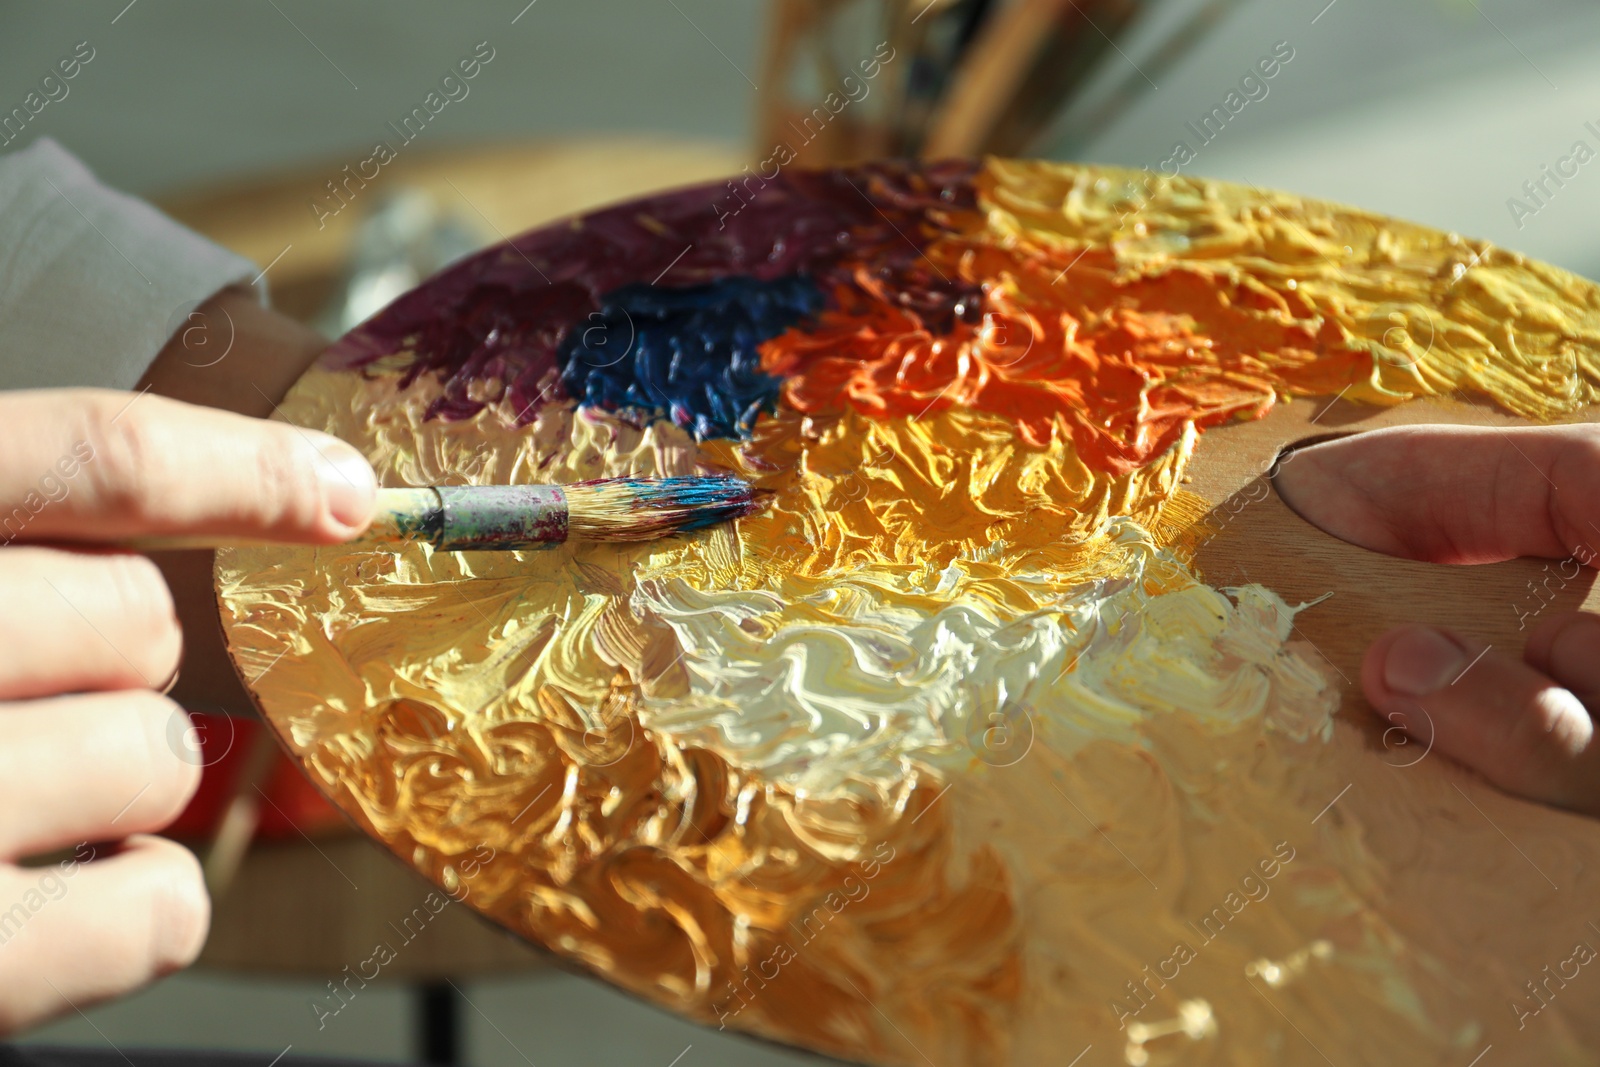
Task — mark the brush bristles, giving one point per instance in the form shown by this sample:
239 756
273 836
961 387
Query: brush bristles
643 509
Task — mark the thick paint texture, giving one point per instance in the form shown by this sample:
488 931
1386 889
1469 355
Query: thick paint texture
691 354
946 754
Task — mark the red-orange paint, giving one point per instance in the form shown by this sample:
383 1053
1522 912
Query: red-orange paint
1120 365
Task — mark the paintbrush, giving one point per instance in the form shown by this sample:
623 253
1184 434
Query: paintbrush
467 517
457 518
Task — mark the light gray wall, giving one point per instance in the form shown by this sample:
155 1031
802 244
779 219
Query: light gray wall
184 91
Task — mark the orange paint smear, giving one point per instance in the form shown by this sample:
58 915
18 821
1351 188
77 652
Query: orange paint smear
1120 365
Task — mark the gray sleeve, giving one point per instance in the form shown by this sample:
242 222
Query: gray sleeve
92 282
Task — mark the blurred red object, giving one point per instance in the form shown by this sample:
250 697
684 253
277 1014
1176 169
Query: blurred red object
232 752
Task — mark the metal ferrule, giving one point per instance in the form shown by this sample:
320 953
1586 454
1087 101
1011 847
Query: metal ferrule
500 516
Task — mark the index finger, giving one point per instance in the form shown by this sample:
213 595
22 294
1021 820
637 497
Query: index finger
96 465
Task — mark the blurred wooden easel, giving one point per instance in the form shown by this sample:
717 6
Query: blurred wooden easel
966 77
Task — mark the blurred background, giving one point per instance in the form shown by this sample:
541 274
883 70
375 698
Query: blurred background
246 121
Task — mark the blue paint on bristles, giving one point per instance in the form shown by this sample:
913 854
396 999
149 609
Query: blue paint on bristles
642 509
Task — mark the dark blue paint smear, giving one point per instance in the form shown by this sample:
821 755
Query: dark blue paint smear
690 353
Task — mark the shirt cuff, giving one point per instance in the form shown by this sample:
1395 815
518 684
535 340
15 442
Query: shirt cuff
92 282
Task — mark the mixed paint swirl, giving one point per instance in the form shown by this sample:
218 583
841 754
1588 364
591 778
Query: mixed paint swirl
844 773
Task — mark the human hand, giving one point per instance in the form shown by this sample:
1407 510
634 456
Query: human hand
232 354
90 749
1458 494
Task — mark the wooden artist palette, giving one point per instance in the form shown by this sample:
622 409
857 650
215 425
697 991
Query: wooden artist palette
990 740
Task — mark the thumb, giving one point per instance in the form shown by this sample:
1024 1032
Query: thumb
1453 494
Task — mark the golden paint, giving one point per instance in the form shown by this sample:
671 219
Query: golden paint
1435 312
947 756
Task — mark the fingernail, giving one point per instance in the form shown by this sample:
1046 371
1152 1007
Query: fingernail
348 484
1422 661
